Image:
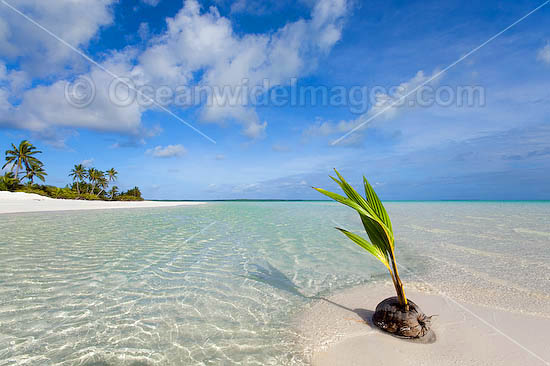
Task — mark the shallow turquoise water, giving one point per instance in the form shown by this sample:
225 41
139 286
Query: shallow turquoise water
220 284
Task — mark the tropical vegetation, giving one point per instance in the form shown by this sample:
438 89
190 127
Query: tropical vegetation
87 183
23 156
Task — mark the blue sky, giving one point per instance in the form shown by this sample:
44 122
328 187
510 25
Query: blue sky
497 147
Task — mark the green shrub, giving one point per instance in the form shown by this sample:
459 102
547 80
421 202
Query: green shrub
90 197
8 182
134 192
125 197
27 189
66 193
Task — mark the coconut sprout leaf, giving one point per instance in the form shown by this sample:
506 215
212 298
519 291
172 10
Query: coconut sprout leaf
376 234
376 204
373 225
372 209
353 195
345 201
380 254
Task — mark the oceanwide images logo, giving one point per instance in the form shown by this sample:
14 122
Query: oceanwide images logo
81 92
358 99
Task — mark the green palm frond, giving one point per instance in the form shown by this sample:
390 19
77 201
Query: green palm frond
376 251
346 201
369 205
376 204
22 156
377 224
112 173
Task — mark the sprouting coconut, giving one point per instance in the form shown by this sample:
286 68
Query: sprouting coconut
395 315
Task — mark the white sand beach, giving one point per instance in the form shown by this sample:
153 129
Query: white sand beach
16 202
465 334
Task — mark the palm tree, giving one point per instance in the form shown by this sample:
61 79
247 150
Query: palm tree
93 176
397 314
79 174
21 155
102 183
112 173
113 192
35 170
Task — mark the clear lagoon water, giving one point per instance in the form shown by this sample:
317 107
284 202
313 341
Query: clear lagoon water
221 284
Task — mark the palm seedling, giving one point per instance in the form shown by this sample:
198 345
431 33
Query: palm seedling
396 315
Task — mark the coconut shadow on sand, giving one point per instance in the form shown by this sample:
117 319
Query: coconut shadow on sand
273 277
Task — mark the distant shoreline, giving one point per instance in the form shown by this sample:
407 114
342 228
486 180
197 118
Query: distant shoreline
19 202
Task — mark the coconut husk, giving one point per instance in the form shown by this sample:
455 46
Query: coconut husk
392 317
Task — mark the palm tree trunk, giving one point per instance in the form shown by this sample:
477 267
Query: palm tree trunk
77 188
17 170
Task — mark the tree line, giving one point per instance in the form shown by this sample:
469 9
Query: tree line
88 183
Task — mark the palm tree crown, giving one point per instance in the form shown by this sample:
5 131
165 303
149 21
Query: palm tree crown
94 176
79 174
112 173
22 155
36 170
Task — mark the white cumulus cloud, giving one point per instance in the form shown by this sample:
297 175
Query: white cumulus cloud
168 151
204 40
40 54
47 106
199 48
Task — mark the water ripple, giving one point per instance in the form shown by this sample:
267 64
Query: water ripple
219 284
